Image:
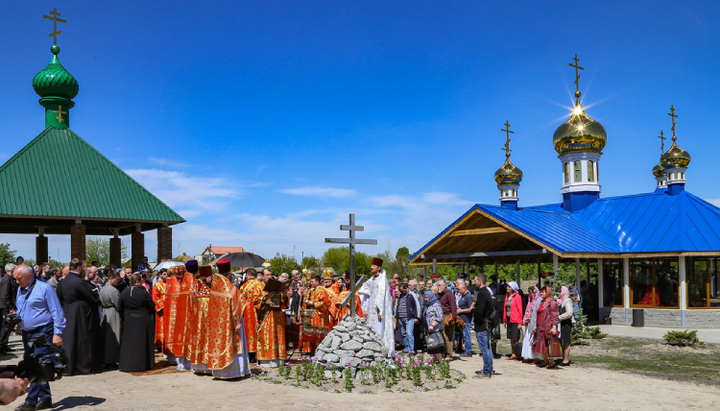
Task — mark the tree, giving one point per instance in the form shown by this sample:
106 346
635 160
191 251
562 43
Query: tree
282 263
339 259
6 254
98 249
311 262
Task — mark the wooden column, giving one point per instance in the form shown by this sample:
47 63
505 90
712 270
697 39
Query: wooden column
116 251
77 241
164 244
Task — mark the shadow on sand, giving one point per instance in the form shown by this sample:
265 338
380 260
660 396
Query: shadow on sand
71 402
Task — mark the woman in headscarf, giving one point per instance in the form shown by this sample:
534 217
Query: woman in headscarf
566 319
433 317
513 315
547 323
529 321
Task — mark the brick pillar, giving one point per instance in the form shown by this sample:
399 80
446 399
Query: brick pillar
115 251
164 243
77 241
138 249
41 249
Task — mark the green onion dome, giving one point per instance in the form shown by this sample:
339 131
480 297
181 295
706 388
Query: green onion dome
55 81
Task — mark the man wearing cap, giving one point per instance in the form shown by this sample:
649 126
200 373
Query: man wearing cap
271 346
182 317
197 338
377 304
251 291
227 347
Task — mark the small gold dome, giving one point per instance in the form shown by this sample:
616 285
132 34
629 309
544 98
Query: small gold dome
579 133
508 174
675 157
659 170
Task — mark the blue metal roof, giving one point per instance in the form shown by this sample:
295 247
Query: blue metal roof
642 223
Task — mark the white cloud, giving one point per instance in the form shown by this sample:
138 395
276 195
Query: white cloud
164 162
195 194
319 192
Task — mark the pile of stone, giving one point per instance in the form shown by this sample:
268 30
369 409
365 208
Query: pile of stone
350 342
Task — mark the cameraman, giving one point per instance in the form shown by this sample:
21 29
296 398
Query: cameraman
41 315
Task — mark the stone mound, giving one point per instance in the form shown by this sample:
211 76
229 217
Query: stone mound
350 342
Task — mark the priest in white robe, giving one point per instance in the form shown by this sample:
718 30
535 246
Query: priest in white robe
377 305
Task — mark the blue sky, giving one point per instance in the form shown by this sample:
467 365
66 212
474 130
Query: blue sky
264 123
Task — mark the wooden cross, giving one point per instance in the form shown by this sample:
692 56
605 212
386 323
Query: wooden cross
673 116
662 141
59 113
577 78
352 228
507 138
54 16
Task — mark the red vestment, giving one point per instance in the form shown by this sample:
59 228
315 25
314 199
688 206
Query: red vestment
158 296
341 313
323 321
252 292
197 338
170 312
178 343
224 316
271 330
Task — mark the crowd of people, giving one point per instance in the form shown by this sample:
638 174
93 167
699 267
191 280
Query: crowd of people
214 322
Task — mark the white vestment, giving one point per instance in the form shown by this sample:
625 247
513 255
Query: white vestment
375 299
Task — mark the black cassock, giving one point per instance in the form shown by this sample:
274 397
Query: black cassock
137 345
81 338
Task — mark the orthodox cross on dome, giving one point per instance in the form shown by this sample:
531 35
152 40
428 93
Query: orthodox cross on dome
60 113
662 141
354 286
507 131
577 78
673 116
55 17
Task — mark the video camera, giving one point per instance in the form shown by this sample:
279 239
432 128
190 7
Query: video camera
39 367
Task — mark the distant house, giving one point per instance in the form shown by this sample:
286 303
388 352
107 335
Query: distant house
213 252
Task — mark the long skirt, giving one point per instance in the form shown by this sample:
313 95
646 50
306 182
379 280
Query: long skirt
137 349
240 367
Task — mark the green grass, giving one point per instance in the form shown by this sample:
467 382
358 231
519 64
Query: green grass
652 358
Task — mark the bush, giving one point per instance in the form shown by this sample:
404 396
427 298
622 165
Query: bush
682 338
579 332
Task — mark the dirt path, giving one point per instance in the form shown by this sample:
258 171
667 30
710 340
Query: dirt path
520 386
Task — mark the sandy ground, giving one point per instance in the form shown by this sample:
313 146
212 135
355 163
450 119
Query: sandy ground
520 386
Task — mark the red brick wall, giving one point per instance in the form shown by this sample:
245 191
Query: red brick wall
164 242
77 241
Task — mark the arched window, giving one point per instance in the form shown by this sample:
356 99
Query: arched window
566 172
577 166
590 171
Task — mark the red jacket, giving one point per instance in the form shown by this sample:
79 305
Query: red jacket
516 314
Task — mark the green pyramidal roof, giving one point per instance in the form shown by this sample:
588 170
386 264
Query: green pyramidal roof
60 175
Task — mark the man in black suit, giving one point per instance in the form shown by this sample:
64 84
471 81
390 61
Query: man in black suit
7 304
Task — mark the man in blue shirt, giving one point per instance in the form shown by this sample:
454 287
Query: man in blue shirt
41 314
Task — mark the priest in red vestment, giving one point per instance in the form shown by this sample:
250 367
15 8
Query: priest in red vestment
158 295
252 294
182 317
197 338
271 346
227 348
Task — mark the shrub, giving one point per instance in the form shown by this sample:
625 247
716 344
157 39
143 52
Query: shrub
579 332
682 338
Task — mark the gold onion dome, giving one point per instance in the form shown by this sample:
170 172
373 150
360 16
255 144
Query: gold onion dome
675 157
659 170
508 173
579 133
54 81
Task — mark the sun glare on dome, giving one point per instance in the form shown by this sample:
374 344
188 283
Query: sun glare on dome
577 111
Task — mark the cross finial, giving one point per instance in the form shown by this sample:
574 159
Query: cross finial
662 141
54 16
673 116
60 113
507 138
577 78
